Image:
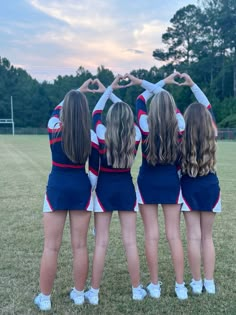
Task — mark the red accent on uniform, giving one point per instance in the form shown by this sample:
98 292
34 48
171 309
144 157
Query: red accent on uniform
140 113
95 145
68 165
102 151
93 171
101 140
54 130
141 195
54 140
114 170
100 205
187 204
49 203
216 201
99 111
140 97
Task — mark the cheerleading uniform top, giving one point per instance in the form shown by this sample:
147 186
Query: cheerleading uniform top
69 187
201 193
157 184
115 189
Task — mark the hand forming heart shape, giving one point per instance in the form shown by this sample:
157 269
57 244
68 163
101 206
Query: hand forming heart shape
180 79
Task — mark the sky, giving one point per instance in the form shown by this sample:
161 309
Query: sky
48 38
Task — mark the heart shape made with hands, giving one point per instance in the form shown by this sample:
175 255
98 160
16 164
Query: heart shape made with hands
179 79
93 86
124 82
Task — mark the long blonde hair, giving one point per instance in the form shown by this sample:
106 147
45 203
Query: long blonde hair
162 141
120 136
198 145
75 118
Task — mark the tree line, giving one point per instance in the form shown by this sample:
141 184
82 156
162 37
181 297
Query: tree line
200 41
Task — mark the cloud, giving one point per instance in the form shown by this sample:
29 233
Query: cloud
135 51
52 37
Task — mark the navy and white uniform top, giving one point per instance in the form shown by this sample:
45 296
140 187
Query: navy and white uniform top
69 186
157 184
201 193
115 189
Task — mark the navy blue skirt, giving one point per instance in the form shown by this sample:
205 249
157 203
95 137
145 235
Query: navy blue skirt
201 193
115 191
68 190
158 184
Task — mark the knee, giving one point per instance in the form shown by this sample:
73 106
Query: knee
172 235
128 243
52 247
102 242
206 237
194 236
152 238
79 245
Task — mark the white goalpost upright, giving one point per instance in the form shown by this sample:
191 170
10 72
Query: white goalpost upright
10 120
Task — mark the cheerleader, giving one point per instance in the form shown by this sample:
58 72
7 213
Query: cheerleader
69 188
158 180
200 187
118 143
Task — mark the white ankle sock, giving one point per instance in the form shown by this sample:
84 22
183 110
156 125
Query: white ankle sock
95 291
137 288
209 281
45 297
78 292
198 281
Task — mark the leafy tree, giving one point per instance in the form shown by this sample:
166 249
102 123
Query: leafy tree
182 36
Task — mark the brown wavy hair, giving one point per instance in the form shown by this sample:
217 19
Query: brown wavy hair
120 136
162 141
76 123
198 145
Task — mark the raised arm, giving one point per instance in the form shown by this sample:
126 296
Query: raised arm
93 160
199 95
98 127
141 109
54 123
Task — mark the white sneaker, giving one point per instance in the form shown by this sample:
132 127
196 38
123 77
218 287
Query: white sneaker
209 286
42 303
196 286
91 297
181 291
138 293
154 290
77 298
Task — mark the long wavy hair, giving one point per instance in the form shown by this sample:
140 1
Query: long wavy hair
162 141
75 118
198 145
120 136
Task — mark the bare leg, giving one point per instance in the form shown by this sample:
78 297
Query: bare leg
79 223
208 249
172 227
151 230
193 225
128 230
53 231
103 221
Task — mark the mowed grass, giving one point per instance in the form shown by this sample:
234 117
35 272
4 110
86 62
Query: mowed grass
24 166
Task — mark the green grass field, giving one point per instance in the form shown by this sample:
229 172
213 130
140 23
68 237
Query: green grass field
24 167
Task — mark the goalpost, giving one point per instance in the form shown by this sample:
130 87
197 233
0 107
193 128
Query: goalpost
9 120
